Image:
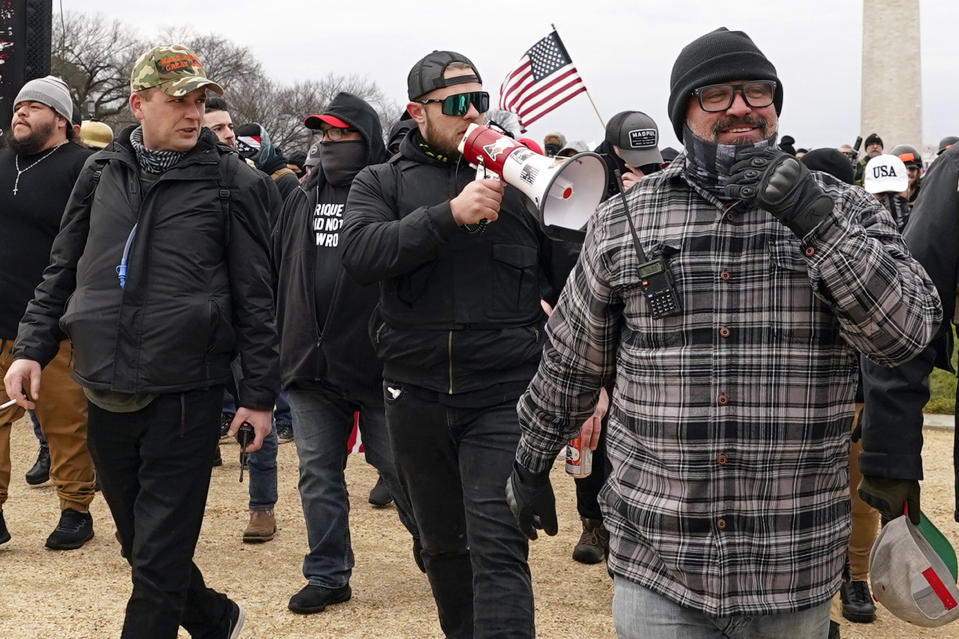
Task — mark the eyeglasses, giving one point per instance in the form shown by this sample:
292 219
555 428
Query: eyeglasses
458 104
719 97
334 134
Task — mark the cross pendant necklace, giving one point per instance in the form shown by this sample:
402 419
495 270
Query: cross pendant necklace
16 163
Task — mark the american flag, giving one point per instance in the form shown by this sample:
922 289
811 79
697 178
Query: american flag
544 79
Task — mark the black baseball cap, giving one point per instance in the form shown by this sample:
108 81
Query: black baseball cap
636 136
427 74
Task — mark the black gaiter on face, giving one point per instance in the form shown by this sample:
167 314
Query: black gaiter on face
341 161
708 164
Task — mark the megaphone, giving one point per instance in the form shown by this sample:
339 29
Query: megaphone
566 191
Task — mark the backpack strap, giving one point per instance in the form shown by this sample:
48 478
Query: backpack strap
225 183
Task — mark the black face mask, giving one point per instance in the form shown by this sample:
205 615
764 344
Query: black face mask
341 161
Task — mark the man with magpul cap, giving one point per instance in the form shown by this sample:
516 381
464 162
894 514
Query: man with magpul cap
461 267
159 276
732 318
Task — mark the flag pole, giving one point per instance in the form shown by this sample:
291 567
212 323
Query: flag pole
602 122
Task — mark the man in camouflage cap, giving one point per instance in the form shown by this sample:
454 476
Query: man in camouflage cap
153 335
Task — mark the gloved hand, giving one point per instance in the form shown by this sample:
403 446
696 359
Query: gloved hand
530 497
780 184
888 496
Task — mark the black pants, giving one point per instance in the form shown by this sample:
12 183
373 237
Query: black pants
154 470
455 463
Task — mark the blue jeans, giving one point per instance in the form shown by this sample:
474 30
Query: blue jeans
455 462
36 429
262 465
323 420
640 613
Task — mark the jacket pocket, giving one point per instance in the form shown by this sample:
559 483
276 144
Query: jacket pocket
222 336
513 281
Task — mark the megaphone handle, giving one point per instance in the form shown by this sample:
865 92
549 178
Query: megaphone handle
482 173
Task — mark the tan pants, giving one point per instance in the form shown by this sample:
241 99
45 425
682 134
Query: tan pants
62 411
865 523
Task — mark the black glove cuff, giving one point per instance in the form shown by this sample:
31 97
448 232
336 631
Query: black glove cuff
529 478
809 218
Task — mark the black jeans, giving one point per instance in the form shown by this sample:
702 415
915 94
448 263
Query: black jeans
455 463
154 470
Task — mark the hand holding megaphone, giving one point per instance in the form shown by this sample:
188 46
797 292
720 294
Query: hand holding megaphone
564 191
479 200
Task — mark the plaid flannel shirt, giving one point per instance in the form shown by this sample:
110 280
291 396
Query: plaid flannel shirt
729 426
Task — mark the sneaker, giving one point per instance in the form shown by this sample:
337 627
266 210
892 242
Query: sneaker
284 433
74 530
380 496
857 605
40 472
225 420
237 617
4 533
833 630
593 544
261 528
217 458
312 599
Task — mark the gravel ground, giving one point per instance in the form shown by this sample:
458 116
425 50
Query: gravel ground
81 594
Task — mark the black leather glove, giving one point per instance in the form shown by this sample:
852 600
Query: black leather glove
888 496
530 497
780 184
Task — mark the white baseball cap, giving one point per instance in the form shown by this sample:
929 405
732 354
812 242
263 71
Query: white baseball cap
912 570
886 174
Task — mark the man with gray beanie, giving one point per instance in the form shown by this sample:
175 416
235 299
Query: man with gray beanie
38 168
731 299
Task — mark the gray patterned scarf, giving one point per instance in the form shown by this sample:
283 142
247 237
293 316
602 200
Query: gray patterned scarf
708 164
150 161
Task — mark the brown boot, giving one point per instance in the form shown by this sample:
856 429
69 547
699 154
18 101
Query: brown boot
593 544
262 527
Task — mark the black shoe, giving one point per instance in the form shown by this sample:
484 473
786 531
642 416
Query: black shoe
74 530
593 544
4 533
284 433
312 599
833 630
380 496
857 605
40 472
225 420
217 458
237 617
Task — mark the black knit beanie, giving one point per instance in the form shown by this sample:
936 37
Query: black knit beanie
830 161
719 56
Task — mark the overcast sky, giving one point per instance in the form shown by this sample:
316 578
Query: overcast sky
624 50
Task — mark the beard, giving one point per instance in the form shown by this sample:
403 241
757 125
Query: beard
441 142
34 142
750 121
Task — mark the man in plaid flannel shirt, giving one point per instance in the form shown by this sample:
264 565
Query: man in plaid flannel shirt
728 502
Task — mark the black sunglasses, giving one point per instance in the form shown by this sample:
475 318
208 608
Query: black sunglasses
458 104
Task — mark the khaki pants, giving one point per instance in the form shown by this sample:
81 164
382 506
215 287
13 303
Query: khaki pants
62 411
865 523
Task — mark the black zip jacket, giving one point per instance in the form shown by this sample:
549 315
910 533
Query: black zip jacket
340 353
198 283
894 397
459 311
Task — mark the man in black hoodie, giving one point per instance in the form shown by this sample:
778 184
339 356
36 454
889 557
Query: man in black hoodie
462 266
254 143
329 367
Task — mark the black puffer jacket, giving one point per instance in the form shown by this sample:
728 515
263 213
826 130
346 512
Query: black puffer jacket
198 286
459 312
341 352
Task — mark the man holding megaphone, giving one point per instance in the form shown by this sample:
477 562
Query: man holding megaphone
459 330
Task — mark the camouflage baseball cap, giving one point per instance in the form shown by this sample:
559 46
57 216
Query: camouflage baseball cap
172 68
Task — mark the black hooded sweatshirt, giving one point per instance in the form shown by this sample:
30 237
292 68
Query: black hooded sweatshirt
322 313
